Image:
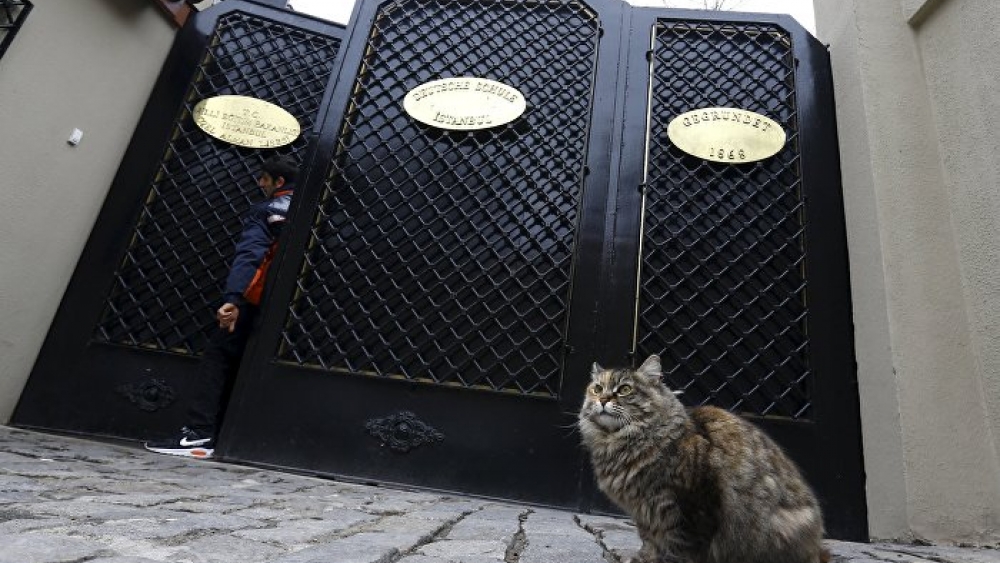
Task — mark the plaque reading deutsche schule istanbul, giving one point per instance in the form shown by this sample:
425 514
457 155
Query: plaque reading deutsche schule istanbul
464 103
247 122
726 135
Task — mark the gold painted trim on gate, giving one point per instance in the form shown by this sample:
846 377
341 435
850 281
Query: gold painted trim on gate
464 103
727 135
246 122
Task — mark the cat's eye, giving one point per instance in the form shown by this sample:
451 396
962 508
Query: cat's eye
596 389
624 390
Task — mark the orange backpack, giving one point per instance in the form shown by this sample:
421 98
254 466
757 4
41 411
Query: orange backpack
255 291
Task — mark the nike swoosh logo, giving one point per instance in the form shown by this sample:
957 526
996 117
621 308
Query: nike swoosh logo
187 444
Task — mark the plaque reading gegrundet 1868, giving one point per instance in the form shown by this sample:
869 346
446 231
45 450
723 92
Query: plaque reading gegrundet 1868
728 135
247 122
464 103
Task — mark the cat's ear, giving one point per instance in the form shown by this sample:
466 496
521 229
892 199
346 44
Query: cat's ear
595 369
651 367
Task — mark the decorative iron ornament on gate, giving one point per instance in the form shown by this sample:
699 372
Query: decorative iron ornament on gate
170 278
446 257
722 283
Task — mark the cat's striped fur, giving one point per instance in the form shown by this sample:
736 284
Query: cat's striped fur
701 485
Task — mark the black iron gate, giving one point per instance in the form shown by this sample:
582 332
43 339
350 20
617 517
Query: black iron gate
435 299
737 274
136 312
438 302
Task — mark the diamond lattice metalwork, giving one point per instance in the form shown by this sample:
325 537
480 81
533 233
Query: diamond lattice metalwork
445 257
12 16
170 279
722 288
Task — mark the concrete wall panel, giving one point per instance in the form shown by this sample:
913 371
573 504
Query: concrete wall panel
915 145
87 64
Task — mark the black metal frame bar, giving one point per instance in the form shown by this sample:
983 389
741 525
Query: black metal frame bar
14 22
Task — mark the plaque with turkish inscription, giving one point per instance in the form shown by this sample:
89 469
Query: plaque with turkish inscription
727 135
246 122
464 104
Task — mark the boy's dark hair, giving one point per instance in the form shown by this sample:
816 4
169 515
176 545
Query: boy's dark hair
281 166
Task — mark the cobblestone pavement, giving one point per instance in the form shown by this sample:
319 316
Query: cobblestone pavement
64 500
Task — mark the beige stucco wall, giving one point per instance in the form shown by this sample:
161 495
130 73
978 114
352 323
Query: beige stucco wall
87 64
915 83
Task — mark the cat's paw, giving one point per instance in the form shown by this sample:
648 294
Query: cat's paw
646 557
651 558
642 556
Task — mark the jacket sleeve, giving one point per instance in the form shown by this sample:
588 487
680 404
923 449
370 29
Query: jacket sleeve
256 238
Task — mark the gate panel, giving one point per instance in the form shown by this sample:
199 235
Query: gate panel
461 243
439 270
722 274
739 282
141 301
168 284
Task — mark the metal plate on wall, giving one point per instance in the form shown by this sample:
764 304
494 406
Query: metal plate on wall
246 122
464 103
726 135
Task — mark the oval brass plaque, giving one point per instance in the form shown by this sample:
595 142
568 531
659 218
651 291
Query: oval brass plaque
247 122
726 135
464 104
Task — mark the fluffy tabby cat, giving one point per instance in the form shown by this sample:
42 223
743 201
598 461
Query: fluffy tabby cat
701 485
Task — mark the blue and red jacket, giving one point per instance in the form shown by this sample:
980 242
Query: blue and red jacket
254 251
